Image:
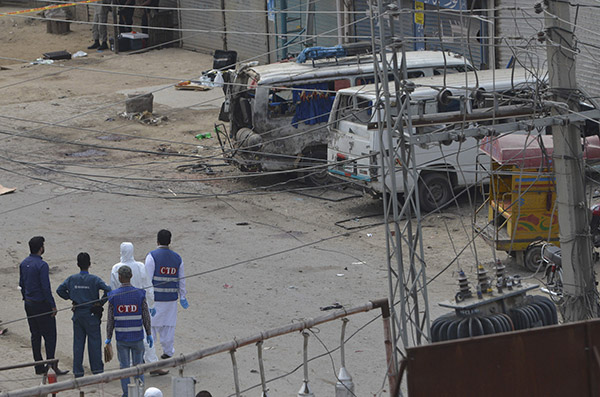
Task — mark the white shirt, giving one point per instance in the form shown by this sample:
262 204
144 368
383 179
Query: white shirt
138 270
166 312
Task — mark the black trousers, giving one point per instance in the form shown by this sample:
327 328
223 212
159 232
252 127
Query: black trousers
126 18
43 326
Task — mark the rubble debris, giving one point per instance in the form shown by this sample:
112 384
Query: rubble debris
144 117
6 190
191 85
166 148
205 135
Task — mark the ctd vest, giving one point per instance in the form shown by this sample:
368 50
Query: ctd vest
166 274
127 305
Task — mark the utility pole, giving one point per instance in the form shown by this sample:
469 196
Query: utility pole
405 256
579 288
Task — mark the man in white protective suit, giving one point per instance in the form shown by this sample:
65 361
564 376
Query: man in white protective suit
165 268
139 280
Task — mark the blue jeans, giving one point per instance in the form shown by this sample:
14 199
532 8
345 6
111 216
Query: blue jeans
86 325
130 354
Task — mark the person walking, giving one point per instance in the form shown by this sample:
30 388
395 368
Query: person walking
99 30
139 280
40 307
128 316
83 289
165 268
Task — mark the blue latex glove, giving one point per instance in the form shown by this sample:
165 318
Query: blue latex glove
184 303
152 312
107 341
150 341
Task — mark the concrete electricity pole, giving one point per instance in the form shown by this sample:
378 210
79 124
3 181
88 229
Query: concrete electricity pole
579 289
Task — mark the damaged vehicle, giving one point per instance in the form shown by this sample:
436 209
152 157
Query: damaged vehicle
437 105
278 113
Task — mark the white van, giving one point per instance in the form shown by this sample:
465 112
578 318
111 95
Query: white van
279 112
353 154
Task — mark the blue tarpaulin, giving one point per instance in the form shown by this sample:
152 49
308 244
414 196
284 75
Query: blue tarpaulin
313 104
320 52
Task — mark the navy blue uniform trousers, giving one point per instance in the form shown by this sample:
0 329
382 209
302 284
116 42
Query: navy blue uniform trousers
85 325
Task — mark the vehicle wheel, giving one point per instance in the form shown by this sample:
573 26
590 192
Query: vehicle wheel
316 176
435 190
533 258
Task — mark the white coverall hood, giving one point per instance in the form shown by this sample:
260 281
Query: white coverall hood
126 253
153 392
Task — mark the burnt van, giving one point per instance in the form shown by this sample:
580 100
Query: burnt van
278 113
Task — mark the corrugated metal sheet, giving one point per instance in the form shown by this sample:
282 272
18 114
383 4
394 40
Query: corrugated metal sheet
210 23
246 32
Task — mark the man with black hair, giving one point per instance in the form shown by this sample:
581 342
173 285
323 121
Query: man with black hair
165 269
34 282
83 289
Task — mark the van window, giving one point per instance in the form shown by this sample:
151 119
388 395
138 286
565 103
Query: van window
364 110
312 103
355 109
281 103
341 83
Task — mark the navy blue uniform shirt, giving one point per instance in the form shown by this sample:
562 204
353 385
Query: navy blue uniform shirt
34 280
82 288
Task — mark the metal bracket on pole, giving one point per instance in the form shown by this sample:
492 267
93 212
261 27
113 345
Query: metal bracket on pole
305 389
236 377
261 366
344 386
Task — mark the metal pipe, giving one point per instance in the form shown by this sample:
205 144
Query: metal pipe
261 367
384 305
185 358
342 345
305 389
31 364
236 376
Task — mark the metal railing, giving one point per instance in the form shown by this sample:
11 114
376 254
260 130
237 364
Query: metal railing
230 347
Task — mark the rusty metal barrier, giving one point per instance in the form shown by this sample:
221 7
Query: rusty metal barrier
560 360
231 346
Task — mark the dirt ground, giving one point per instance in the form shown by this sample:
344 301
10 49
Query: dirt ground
261 252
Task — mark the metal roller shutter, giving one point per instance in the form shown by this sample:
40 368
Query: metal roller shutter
210 23
326 24
246 32
458 34
363 24
516 33
588 59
